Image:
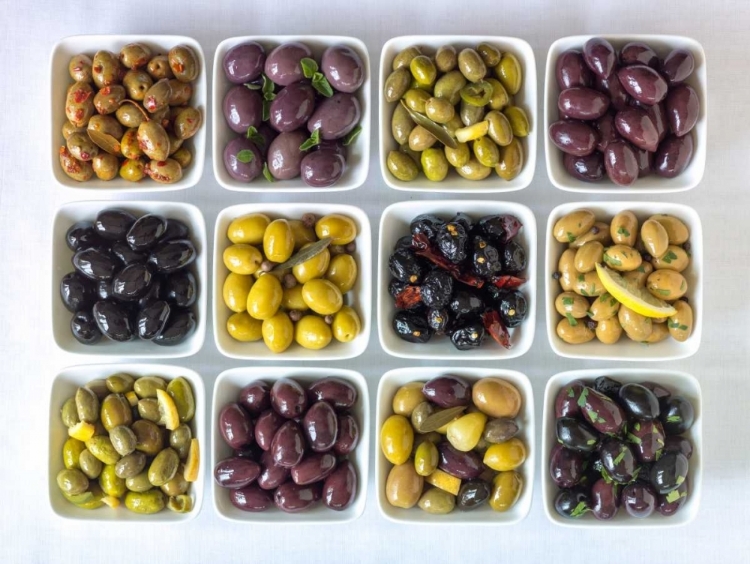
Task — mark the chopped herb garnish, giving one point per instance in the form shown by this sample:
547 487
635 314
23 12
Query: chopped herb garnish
612 260
590 313
582 398
571 393
309 67
624 232
612 302
679 480
581 278
663 292
580 509
669 257
593 415
266 115
267 173
568 301
633 439
572 320
268 88
620 457
674 419
312 141
571 237
637 426
251 86
591 442
245 156
674 495
641 269
584 292
351 137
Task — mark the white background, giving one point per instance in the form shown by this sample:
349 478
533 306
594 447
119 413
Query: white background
28 358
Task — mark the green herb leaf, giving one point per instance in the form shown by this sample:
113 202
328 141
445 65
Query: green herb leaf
679 480
571 393
612 302
673 324
584 292
619 458
633 439
581 278
321 84
255 137
591 442
267 173
309 67
606 476
683 286
624 232
580 509
590 313
673 496
663 291
637 426
582 398
246 156
612 260
674 419
312 141
593 415
351 137
669 257
251 86
266 110
572 320
571 237
568 301
683 327
268 88
641 269
308 253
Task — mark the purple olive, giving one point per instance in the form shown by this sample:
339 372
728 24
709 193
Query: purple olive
683 107
638 499
605 125
605 500
678 66
335 116
288 398
669 504
339 393
234 162
661 393
635 125
236 472
251 498
643 83
82 235
244 62
574 137
576 435
266 426
589 168
645 162
152 319
676 443
271 475
288 445
336 146
255 398
582 103
340 487
320 426
601 412
146 232
285 156
648 439
283 63
566 400
600 56
343 68
565 466
621 163
314 468
673 156
235 426
292 107
348 435
448 391
321 169
618 460
571 70
638 53
611 86
464 465
293 498
267 135
242 108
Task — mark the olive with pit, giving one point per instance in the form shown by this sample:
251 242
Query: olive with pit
137 83
184 63
435 164
471 65
448 87
403 486
446 58
511 160
680 324
278 332
402 166
109 98
106 69
153 140
506 490
499 130
667 284
635 325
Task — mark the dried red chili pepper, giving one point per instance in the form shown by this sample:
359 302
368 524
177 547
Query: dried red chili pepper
507 282
494 326
423 248
409 297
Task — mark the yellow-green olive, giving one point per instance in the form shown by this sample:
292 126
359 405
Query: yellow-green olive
401 124
434 164
474 170
105 69
312 268
603 307
138 483
311 332
635 325
167 171
437 502
181 92
659 332
90 465
571 304
341 229
342 271
407 398
677 232
115 411
164 467
129 145
666 284
574 334
621 258
439 110
180 440
69 129
176 486
99 387
242 258
471 115
490 54
72 449
148 408
511 160
109 98
181 393
426 458
278 332
573 225
105 166
509 72
471 65
158 67
680 324
264 298
87 404
120 383
519 121
79 68
459 156
69 413
404 58
416 99
244 328
588 256
135 55
346 325
499 128
292 298
184 63
448 87
676 258
301 233
235 291
421 139
248 228
79 171
137 83
624 228
609 330
130 116
506 490
153 140
423 70
486 151
145 503
397 84
72 481
599 232
505 456
402 166
446 58
102 448
588 284
654 237
123 439
149 437
499 98
567 269
131 465
146 386
322 296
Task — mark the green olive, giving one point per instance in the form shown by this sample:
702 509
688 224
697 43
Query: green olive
401 124
176 486
574 334
111 483
342 271
499 98
312 268
79 103
666 284
449 86
322 296
184 157
603 307
106 69
179 440
676 258
416 99
477 93
146 503
123 439
474 170
129 145
624 228
264 298
570 303
566 268
87 405
157 96
311 332
153 140
416 156
248 228
79 68
105 166
181 92
446 58
609 330
187 123
69 412
72 481
499 129
439 110
81 147
135 55
589 255
341 229
486 151
69 129
90 465
129 116
437 502
109 98
470 114
680 324
511 160
138 483
654 238
278 332
635 325
397 84
490 54
148 408
434 164
182 393
102 448
167 171
423 70
72 449
149 437
278 242
620 257
184 63
244 328
235 291
175 144
137 83
402 166
426 458
180 503
115 411
421 139
471 65
146 386
99 387
346 325
509 72
158 67
164 467
459 156
404 58
506 489
80 171
519 121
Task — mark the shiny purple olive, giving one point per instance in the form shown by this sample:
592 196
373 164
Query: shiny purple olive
313 468
669 504
574 137
255 398
335 116
271 475
236 472
288 398
618 460
636 126
266 426
673 156
676 443
244 62
125 254
571 70
582 103
589 168
246 167
113 224
683 107
639 401
448 391
84 328
235 426
320 426
658 114
605 499
348 435
619 98
176 229
638 53
242 108
647 438
293 498
343 68
464 465
292 107
605 125
82 235
283 65
645 162
566 400
572 503
677 415
285 156
336 391
172 255
601 412
565 466
643 83
340 487
180 288
321 169
638 499
621 163
95 264
576 435
678 66
251 498
600 56
288 445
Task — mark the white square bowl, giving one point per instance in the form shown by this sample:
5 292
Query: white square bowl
360 296
526 98
625 349
60 81
358 158
394 224
679 383
73 212
484 515
65 385
227 389
651 184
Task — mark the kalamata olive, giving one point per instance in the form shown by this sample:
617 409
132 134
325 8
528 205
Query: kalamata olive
288 398
176 229
255 398
343 68
669 504
571 70
566 400
132 282
292 107
647 438
313 468
677 415
235 426
678 66
619 98
639 401
95 264
113 224
658 114
576 435
661 393
251 452
464 465
582 103
618 460
605 500
638 53
635 125
348 434
283 63
638 499
645 162
565 466
608 386
244 167
113 320
673 156
589 168
152 319
607 130
683 107
335 116
242 108
236 472
180 325
285 155
600 56
251 498
574 137
336 391
321 168
293 498
335 146
340 487
572 503
271 475
125 254
643 83
266 426
77 292
84 328
288 445
320 426
82 235
180 288
146 232
472 494
601 412
244 62
621 163
448 391
172 255
679 444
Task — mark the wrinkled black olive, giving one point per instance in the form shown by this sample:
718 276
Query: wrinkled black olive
405 266
180 325
77 292
180 289
464 220
172 255
84 328
82 235
486 258
501 228
513 258
127 255
451 240
403 243
465 304
468 336
395 287
513 308
152 319
607 386
113 320
175 230
132 282
428 224
438 320
146 232
437 289
113 224
411 327
95 264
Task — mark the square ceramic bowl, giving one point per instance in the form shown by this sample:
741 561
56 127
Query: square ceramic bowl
625 349
358 297
651 184
62 257
60 81
358 159
484 515
65 385
526 98
394 224
679 383
226 390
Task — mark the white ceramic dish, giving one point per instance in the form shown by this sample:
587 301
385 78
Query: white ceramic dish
358 297
64 386
73 212
625 349
226 390
679 383
526 98
484 515
394 224
651 184
60 81
358 159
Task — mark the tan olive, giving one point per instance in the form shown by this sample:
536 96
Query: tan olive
404 58
574 334
175 144
129 116
471 65
149 437
680 324
572 225
603 307
342 271
105 69
421 139
446 58
448 87
599 232
81 147
509 72
499 128
264 298
79 68
439 110
490 54
401 124
402 166
167 171
486 151
666 284
659 333
187 123
624 228
181 92
248 228
109 98
676 258
312 268
157 96
588 284
105 166
278 332
511 160
567 269
244 328
570 303
470 114
474 170
403 487
397 84
148 408
635 325
158 67
609 330
135 55
434 164
416 99
459 156
638 276
519 121
407 398
184 63
677 232
153 140
654 237
346 325
588 256
622 258
137 83
79 103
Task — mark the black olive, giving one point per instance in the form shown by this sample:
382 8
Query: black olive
500 228
146 232
172 255
126 255
84 328
395 287
427 224
639 401
155 291
678 444
95 264
638 499
405 266
104 290
77 292
572 503
113 224
113 320
513 258
152 319
608 386
677 415
403 243
438 320
180 289
576 435
486 259
437 289
411 327
82 235
180 325
473 494
468 336
132 282
465 304
513 308
451 241
618 460
464 220
175 230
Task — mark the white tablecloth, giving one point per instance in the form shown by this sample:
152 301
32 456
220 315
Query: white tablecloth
29 532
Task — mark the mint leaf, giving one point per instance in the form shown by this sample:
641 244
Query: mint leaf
683 327
267 173
351 137
255 137
571 393
680 479
312 141
572 320
246 156
321 84
268 88
593 415
580 509
309 67
673 324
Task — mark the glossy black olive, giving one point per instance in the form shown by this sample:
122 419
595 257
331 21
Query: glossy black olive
468 336
572 503
465 221
669 504
127 255
501 228
465 303
180 325
485 259
181 289
132 282
669 472
661 393
618 460
513 258
638 499
77 292
155 291
173 255
411 327
451 241
395 287
152 319
403 243
175 230
82 235
84 328
428 224
473 494
405 266
437 289
113 320
679 444
113 224
639 401
438 320
104 290
146 232
566 467
513 308
576 435
677 415
95 264
607 386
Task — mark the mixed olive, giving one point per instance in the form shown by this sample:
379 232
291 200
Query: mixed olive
620 445
624 116
291 445
622 276
459 277
455 109
133 279
458 437
293 116
130 441
128 114
289 279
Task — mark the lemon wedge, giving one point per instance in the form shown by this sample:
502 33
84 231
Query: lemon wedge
168 410
82 431
634 297
193 462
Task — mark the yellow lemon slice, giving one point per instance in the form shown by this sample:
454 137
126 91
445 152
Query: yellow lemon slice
193 462
168 410
634 297
82 431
